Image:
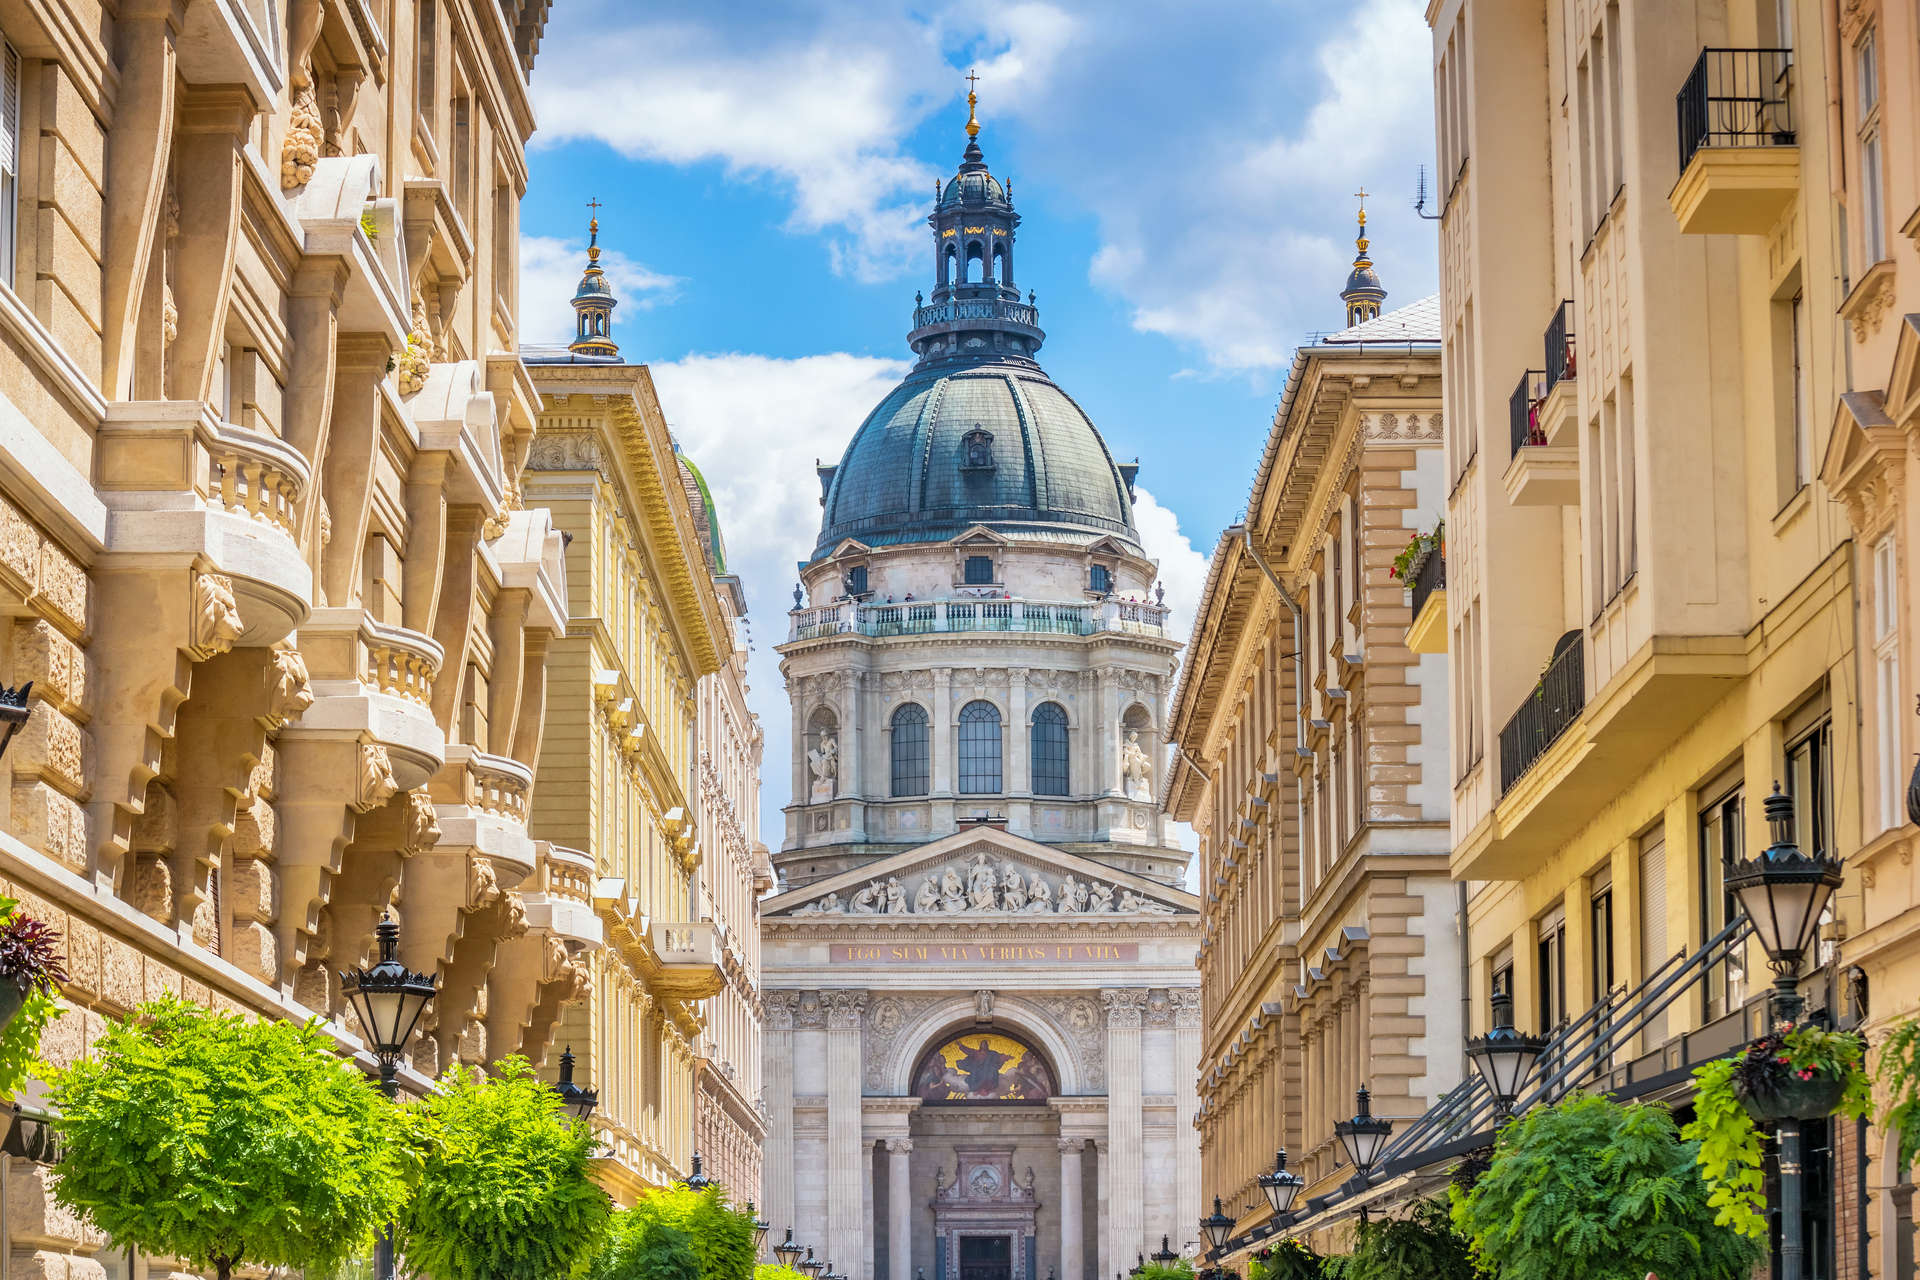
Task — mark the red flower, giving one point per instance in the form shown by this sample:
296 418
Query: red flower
1806 1073
1782 1059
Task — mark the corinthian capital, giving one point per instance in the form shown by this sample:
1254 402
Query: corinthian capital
846 1008
779 1007
1125 1005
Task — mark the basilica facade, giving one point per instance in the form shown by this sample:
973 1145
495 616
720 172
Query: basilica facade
982 1013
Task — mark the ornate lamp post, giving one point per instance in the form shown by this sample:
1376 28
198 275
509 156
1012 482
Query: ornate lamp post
1165 1255
760 1228
1364 1137
697 1181
389 999
810 1266
1783 891
1216 1228
786 1253
1505 1057
577 1100
1282 1186
13 712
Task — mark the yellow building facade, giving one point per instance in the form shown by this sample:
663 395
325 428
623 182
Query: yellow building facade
618 778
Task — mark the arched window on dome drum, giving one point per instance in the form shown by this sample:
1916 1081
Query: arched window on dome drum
975 254
1049 748
979 749
909 750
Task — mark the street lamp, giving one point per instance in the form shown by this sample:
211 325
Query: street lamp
1504 1056
13 711
810 1266
1216 1227
1364 1137
786 1252
1165 1255
760 1228
577 1100
697 1181
1282 1185
389 999
1783 891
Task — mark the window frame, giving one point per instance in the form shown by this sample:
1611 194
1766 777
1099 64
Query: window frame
1870 151
1044 736
971 564
980 723
910 743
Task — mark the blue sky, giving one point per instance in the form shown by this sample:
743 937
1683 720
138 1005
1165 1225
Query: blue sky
1183 171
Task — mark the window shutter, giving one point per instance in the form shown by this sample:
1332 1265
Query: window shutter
1653 923
9 156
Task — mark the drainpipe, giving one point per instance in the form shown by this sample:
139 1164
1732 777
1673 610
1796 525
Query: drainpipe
1299 632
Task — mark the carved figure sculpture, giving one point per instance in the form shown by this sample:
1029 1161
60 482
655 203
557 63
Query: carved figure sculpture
927 901
827 906
896 897
1039 897
953 894
867 901
982 885
1101 902
823 764
1013 889
1136 768
1072 894
1133 903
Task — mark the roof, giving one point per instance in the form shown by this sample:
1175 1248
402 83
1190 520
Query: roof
991 442
1415 322
548 353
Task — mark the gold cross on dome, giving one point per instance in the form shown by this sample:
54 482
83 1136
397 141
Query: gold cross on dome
972 80
595 205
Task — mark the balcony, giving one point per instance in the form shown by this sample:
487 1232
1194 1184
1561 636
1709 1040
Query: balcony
559 897
183 487
689 959
1560 397
1739 153
1547 713
1427 633
480 801
376 680
934 617
1541 473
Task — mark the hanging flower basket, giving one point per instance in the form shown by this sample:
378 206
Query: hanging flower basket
1788 1097
13 997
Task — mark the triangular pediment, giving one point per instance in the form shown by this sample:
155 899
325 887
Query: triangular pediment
1863 438
949 879
850 547
979 536
1903 383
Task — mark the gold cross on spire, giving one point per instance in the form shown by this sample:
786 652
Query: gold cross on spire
594 204
1361 196
973 125
593 230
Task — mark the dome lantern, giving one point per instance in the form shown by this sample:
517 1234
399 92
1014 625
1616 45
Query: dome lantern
593 300
1364 292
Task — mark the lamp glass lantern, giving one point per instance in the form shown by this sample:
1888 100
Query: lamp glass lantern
1165 1255
388 998
1364 1136
1216 1227
697 1180
1784 890
576 1099
760 1228
786 1253
1282 1186
810 1266
1505 1057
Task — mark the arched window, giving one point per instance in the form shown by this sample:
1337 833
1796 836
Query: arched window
910 750
975 254
1049 741
979 749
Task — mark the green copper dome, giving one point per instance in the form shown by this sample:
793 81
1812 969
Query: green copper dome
992 442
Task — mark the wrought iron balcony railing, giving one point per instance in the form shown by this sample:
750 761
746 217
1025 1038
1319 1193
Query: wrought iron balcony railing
1523 409
1547 712
1430 577
1559 347
1736 98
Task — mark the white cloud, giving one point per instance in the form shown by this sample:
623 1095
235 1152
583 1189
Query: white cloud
755 426
1183 570
550 268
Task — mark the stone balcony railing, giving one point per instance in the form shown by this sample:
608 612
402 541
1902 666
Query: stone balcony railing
559 897
401 662
498 785
932 617
690 959
252 474
375 679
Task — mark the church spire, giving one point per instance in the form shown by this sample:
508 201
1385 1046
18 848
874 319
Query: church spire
593 300
1364 293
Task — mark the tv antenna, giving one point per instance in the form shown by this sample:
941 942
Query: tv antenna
1420 199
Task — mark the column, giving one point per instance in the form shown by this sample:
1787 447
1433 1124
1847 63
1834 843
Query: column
865 1271
776 1169
1103 1173
1188 1204
1126 1186
899 1209
1071 1232
846 1010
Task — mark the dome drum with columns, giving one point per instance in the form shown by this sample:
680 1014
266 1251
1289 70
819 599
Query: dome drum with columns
983 1011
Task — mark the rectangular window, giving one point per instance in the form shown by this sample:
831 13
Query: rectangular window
426 62
1552 970
9 159
1810 783
1873 230
1600 927
1722 842
979 570
1100 579
1797 389
1653 920
857 580
1887 696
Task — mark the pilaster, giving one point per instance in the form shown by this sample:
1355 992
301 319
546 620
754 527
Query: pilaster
1126 1185
846 1228
776 1170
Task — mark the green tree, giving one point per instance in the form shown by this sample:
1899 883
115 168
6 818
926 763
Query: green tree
641 1248
1421 1245
225 1142
1286 1259
774 1271
505 1191
1181 1270
1590 1189
722 1237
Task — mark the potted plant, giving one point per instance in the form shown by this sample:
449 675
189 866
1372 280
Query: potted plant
1415 553
31 971
1791 1073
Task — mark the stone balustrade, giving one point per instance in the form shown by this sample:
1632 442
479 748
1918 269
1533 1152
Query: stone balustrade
253 474
931 617
400 662
498 785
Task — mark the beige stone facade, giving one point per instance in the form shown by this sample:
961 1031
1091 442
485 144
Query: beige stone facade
1331 956
620 775
263 549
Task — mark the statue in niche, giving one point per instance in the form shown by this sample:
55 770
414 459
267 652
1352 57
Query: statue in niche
927 901
953 894
982 885
1072 895
1039 897
1101 900
977 449
867 901
1136 768
896 897
1013 889
823 764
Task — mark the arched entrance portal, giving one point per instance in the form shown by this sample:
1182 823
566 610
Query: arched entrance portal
982 1186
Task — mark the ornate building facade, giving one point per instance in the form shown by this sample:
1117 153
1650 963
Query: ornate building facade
267 561
620 775
982 1015
735 872
1312 748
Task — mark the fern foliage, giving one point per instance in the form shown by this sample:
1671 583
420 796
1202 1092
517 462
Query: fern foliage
1897 1068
